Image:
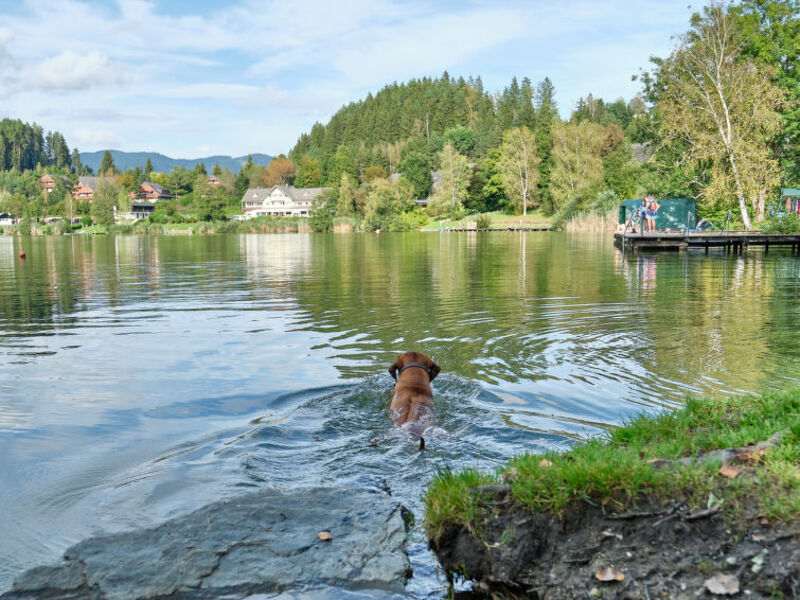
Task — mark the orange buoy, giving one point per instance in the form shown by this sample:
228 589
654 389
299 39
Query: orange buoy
22 255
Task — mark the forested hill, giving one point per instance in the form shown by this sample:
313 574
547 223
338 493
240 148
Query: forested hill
427 108
165 164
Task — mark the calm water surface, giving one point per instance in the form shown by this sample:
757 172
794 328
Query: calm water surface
144 377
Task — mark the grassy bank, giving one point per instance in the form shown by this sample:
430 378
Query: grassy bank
674 455
497 220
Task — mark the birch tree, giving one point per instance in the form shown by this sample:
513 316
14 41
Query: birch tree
724 107
455 174
518 166
577 161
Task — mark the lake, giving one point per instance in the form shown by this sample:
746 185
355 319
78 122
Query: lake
144 377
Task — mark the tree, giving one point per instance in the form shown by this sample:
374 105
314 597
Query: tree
209 201
417 171
455 174
771 32
346 203
385 200
148 169
723 105
107 164
309 173
280 171
518 166
577 162
323 210
75 159
374 172
103 201
462 138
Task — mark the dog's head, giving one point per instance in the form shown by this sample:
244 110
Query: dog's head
414 357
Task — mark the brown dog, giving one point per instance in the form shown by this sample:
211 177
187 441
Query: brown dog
412 400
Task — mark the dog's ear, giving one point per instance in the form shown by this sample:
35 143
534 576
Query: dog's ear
433 370
393 369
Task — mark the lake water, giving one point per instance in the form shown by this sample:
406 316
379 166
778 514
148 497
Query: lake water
144 377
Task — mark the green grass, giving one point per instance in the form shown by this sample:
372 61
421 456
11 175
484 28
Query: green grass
615 469
497 219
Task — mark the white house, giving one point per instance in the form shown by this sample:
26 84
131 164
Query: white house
279 201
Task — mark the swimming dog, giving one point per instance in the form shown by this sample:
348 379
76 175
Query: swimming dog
412 400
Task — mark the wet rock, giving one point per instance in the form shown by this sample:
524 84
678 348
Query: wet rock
256 543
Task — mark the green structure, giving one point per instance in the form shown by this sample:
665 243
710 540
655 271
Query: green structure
673 213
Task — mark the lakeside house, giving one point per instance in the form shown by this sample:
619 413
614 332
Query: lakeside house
279 201
47 182
143 202
151 192
85 188
6 219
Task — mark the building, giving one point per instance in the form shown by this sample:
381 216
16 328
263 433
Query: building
47 183
85 188
6 219
143 201
279 201
151 192
214 181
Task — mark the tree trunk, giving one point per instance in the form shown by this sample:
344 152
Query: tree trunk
740 192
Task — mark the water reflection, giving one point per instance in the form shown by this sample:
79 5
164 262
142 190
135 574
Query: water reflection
143 376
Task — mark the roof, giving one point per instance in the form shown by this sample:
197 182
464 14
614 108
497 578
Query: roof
90 182
255 194
157 187
790 192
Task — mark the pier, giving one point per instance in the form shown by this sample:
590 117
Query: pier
734 242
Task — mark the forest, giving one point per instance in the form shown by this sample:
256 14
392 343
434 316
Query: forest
718 121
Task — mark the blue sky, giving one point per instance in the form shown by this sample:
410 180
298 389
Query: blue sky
192 78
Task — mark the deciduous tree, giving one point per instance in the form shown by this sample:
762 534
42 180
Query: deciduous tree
577 161
455 174
723 105
518 166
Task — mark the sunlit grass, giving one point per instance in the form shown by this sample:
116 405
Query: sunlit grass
620 469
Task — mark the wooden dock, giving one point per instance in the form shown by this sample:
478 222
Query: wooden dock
731 241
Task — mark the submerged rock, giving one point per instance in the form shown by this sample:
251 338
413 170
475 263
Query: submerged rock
256 543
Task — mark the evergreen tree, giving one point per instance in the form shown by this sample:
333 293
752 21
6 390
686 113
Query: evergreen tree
107 164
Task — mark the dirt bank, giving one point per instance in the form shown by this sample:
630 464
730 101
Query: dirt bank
701 502
661 550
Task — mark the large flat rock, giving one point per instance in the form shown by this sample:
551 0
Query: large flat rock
256 543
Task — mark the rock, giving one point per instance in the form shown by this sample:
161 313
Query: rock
255 543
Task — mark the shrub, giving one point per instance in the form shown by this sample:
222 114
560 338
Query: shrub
787 224
483 221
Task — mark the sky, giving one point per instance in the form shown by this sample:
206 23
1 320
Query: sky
192 78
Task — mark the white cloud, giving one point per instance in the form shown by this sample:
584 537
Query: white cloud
252 75
70 71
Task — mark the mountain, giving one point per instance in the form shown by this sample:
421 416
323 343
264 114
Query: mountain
164 164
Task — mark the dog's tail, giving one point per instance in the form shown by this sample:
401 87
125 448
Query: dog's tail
421 443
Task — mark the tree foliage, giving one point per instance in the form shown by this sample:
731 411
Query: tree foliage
518 167
723 105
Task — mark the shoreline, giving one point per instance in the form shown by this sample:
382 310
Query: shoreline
664 506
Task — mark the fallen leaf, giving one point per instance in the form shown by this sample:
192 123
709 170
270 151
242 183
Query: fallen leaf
325 536
609 574
729 471
545 463
722 585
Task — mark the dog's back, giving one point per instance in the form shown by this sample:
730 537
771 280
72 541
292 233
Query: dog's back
412 400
